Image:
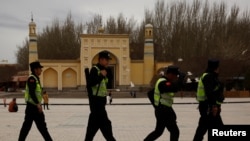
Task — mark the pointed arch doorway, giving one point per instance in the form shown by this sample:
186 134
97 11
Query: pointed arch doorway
117 45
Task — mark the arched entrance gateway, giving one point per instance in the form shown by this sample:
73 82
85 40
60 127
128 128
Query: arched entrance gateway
117 45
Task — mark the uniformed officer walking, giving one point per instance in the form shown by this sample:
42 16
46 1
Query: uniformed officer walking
98 118
33 98
210 96
165 88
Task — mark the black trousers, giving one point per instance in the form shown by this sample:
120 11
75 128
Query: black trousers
32 114
165 118
206 121
98 119
47 105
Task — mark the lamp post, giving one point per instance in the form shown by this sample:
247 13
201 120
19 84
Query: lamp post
180 60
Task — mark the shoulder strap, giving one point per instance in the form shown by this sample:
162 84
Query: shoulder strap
86 71
98 89
33 77
37 80
98 83
203 75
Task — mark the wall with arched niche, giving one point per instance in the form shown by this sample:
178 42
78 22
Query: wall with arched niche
50 78
69 78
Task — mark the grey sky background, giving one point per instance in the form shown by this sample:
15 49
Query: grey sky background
15 16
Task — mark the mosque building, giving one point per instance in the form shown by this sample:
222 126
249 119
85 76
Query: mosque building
69 74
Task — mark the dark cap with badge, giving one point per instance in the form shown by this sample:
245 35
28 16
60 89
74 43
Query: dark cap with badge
212 64
172 69
35 65
104 54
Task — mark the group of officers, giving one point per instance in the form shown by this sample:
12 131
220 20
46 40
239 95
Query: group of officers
209 95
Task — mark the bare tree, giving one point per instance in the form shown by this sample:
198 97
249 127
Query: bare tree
60 41
198 31
55 42
6 73
111 26
22 55
94 24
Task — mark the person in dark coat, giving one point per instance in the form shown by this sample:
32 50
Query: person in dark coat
164 90
34 110
210 96
98 117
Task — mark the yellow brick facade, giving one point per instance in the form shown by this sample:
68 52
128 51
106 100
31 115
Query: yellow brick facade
64 74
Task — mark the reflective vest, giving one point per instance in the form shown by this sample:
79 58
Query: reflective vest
201 96
38 92
102 91
162 98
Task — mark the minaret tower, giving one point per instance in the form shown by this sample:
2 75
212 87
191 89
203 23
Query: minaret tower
148 54
33 55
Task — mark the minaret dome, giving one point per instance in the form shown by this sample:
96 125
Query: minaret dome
148 31
32 27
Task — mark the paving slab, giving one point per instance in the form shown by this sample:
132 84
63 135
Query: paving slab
132 119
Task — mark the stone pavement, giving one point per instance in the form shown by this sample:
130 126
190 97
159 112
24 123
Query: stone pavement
132 119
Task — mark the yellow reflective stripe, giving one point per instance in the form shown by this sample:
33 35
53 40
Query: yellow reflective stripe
167 99
164 98
157 95
219 103
38 92
102 92
200 95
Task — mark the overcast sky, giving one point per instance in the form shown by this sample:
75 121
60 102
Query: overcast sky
15 16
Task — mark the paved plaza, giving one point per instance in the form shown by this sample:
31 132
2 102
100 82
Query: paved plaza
132 119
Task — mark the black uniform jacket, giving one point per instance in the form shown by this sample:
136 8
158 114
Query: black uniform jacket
97 103
213 88
94 77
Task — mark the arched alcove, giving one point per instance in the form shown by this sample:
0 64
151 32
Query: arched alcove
69 78
50 78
